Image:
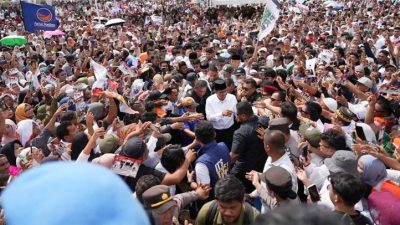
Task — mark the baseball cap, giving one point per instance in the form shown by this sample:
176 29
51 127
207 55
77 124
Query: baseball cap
311 134
279 180
192 76
189 102
263 49
342 161
365 81
133 148
228 68
240 71
158 199
109 144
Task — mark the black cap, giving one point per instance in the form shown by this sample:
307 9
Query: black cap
219 85
192 76
279 181
204 65
240 71
133 148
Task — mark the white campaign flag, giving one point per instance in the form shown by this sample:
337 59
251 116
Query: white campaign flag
269 17
100 72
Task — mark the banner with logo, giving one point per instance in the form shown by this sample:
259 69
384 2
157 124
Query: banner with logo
39 17
269 17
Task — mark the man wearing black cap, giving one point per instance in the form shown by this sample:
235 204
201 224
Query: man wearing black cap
235 61
277 191
240 75
129 164
274 145
247 152
220 109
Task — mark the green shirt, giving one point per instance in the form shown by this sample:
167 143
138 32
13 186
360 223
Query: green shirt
255 97
202 216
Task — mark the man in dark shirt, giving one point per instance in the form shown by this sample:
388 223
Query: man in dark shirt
247 151
345 191
200 93
249 91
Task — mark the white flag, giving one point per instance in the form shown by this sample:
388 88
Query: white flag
100 72
270 15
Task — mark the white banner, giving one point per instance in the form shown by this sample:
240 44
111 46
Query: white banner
269 17
235 2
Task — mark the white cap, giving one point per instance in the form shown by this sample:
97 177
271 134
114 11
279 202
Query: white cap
263 49
330 103
215 41
365 81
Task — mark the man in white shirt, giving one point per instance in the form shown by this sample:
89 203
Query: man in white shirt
274 145
220 110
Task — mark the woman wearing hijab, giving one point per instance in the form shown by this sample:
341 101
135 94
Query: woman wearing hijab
372 170
23 111
383 196
9 134
27 130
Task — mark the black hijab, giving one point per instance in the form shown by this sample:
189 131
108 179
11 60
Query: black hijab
8 151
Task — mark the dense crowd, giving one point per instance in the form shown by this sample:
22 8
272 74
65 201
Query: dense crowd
180 115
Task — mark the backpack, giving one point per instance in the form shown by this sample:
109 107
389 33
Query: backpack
212 212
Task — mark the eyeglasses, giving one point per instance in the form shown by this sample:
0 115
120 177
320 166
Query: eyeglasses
303 111
274 99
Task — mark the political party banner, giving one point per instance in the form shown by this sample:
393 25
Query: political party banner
269 17
39 17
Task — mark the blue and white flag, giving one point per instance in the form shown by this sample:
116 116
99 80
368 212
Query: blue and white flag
39 17
269 18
